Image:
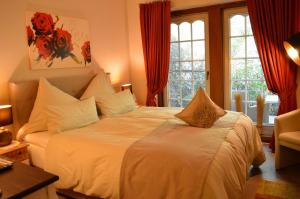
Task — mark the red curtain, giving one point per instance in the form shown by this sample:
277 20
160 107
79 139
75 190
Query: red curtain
274 21
155 19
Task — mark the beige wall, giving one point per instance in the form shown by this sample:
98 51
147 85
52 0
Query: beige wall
138 77
108 33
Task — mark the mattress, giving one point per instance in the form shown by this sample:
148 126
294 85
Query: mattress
89 159
37 146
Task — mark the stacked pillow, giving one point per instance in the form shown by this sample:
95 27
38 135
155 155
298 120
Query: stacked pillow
56 111
109 102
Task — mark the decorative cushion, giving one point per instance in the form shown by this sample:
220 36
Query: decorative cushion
201 111
290 137
73 115
116 103
47 95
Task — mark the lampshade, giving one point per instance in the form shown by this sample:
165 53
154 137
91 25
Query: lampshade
292 47
126 86
5 115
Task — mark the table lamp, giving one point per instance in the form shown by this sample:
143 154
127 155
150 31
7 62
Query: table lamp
5 119
292 47
126 86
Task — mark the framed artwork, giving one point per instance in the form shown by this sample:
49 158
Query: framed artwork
57 41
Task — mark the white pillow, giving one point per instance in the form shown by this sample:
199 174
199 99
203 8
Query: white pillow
98 87
47 95
73 115
116 103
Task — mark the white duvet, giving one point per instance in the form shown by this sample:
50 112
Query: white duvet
88 160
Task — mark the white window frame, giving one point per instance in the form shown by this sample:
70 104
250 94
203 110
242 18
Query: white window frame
227 71
191 18
227 80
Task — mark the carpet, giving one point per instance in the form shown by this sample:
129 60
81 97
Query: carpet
277 190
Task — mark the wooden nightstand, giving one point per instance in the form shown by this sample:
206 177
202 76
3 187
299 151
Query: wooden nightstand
16 151
22 180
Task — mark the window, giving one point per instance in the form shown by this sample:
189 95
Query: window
188 59
243 68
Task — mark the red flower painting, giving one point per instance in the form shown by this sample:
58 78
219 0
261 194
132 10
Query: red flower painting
52 41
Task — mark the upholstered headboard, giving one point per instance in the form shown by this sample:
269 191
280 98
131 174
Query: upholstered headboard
23 94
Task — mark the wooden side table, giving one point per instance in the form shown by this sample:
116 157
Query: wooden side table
16 151
22 180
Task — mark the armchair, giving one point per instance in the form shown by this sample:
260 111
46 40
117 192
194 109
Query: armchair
287 139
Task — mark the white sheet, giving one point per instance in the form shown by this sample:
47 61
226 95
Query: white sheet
88 159
37 147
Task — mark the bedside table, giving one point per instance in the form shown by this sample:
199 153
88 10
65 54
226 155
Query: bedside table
16 151
22 180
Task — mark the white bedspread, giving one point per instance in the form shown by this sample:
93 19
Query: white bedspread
89 159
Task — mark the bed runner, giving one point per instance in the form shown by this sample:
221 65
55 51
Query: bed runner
172 162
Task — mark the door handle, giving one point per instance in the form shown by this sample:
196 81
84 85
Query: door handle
207 75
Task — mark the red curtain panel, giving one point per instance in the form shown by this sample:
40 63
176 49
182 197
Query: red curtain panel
155 19
274 21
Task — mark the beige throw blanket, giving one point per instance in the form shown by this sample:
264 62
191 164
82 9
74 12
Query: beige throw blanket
175 161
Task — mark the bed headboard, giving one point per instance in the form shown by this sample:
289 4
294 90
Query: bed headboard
23 94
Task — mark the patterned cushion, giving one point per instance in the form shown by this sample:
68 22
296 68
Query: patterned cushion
201 111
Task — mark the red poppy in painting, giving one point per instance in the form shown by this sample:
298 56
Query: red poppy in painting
86 52
30 35
42 23
62 43
44 45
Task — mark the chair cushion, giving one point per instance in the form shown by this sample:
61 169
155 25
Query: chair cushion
290 137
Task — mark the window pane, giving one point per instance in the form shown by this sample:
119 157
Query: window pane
199 65
174 89
186 66
237 25
174 52
185 51
255 86
199 76
237 47
254 69
198 30
248 26
174 75
238 69
251 110
185 31
174 66
186 76
251 47
252 94
174 32
175 102
238 85
187 90
198 50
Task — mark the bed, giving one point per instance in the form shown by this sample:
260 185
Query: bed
145 153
